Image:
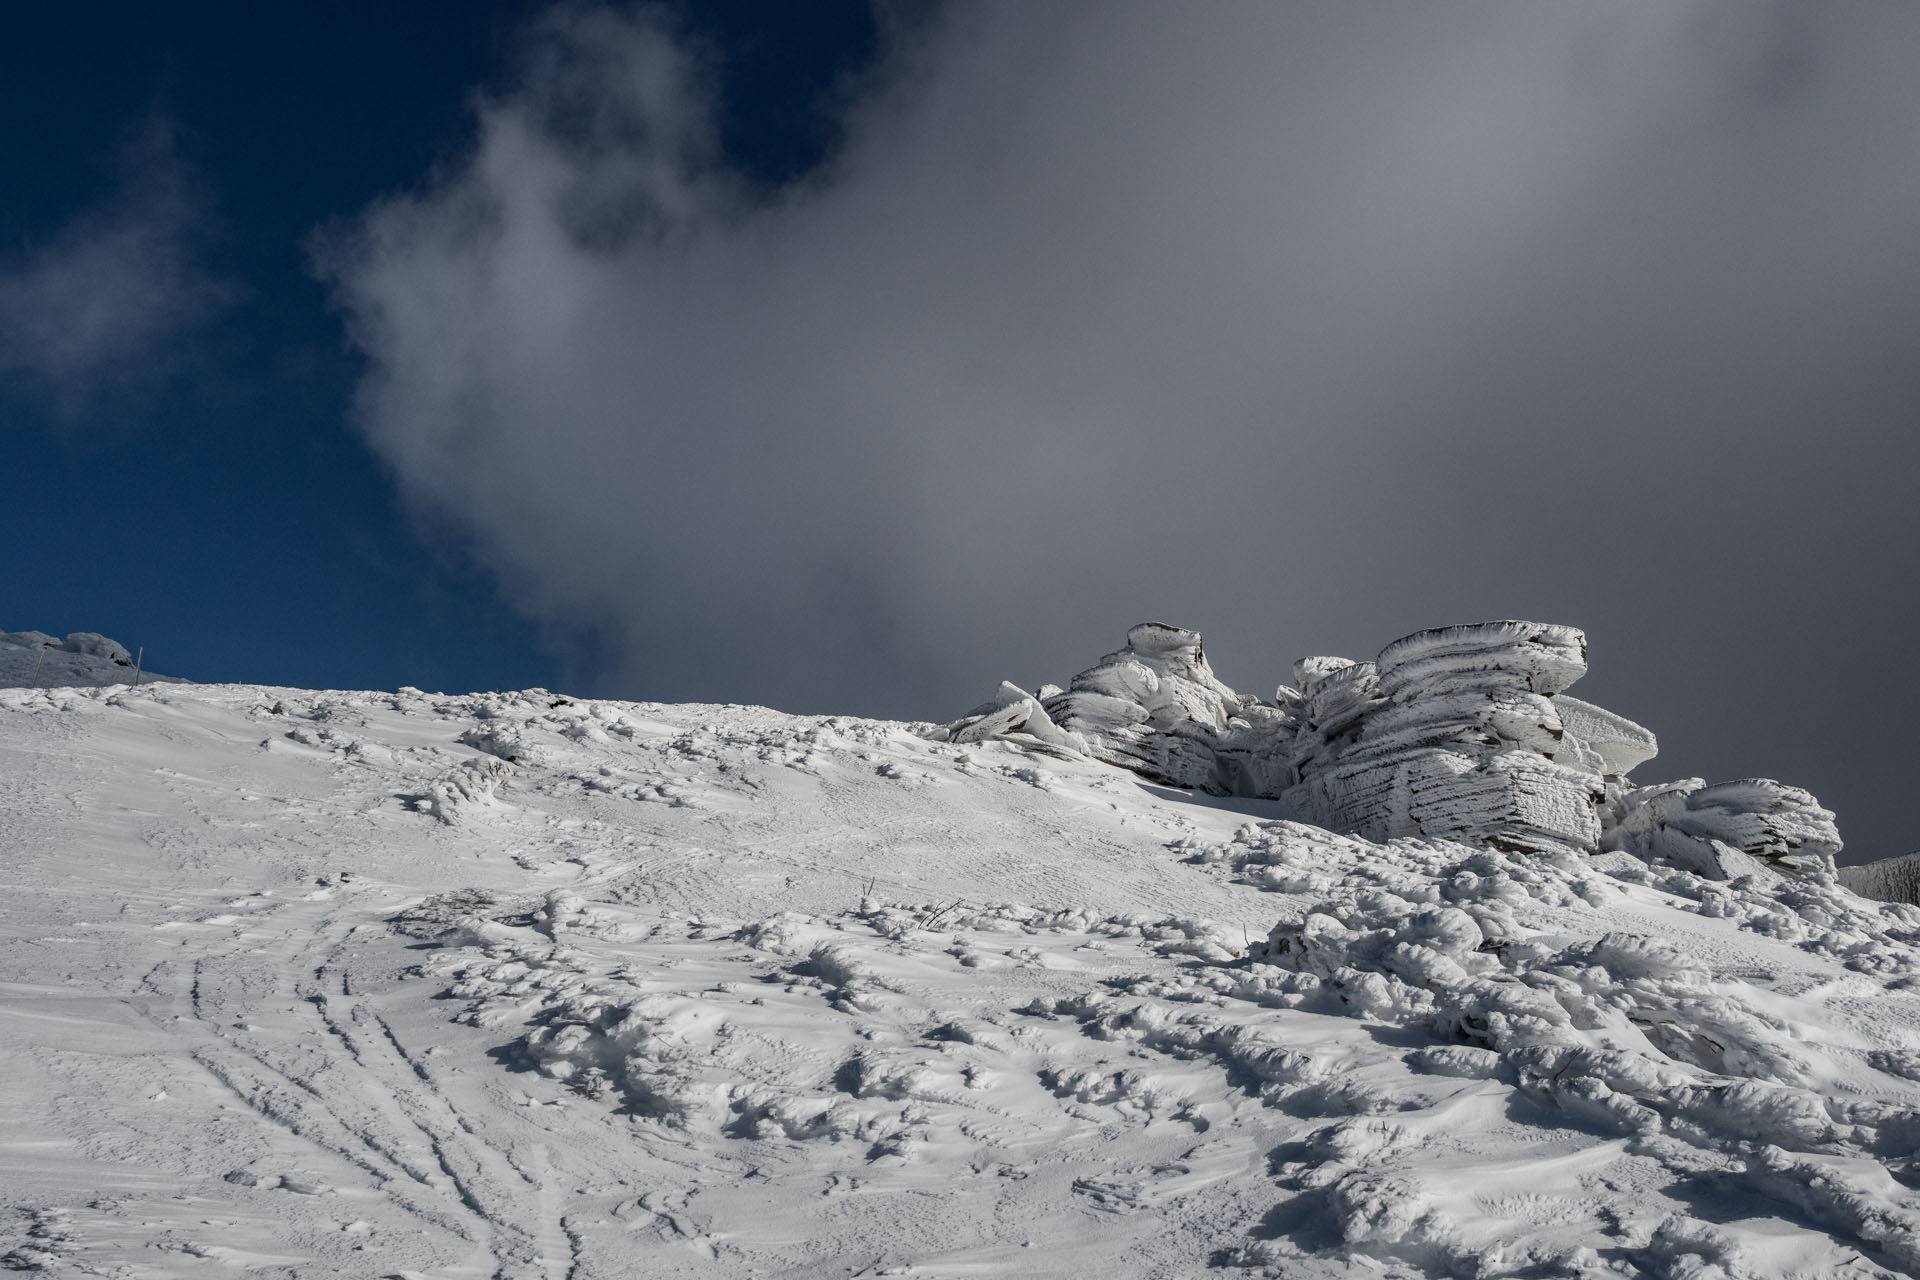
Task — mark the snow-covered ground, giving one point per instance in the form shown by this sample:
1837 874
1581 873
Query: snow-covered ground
400 984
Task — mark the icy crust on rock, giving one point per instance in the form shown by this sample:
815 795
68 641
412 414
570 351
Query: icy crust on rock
1887 880
1463 733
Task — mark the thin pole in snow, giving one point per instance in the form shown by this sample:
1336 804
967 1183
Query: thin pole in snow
142 657
39 661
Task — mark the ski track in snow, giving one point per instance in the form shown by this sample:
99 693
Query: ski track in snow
371 984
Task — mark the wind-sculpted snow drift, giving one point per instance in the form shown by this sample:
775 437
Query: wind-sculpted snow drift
521 985
1465 733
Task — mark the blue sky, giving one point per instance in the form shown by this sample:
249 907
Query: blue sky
850 359
215 504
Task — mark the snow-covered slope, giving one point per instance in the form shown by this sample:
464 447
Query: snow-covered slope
398 984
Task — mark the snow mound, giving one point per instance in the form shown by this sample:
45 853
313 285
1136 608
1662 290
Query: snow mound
34 659
1463 733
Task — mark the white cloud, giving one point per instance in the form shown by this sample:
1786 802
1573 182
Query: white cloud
1306 324
107 300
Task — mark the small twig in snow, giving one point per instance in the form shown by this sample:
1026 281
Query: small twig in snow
935 915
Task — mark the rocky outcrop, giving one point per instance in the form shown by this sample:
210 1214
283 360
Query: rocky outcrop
1464 733
1156 707
34 659
1722 830
1453 733
1886 880
1013 712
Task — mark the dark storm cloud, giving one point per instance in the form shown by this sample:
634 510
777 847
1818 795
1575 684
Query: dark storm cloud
106 302
1306 325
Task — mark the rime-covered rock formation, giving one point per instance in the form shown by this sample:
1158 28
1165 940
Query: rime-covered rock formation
1013 711
1157 708
1463 733
1453 733
1718 830
1886 880
34 659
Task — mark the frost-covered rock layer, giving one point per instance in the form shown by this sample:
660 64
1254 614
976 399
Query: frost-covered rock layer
1463 732
1886 880
1452 732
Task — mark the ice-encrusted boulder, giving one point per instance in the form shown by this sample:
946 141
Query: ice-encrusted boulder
1464 733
